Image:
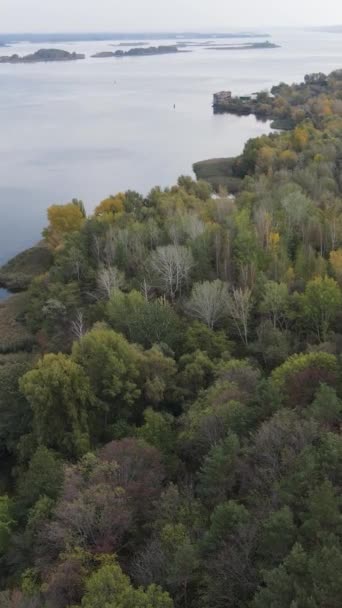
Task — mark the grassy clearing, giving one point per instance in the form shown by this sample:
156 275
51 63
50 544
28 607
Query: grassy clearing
218 172
17 273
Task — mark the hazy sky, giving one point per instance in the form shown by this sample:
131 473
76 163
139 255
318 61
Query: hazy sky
139 15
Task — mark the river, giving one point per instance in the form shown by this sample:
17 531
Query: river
90 128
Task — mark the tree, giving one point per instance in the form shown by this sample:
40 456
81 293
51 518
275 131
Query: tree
60 397
274 301
239 308
108 280
199 336
306 580
321 302
6 523
109 587
140 472
158 430
208 302
218 472
44 477
110 206
144 321
335 260
326 407
158 372
15 411
63 219
171 265
112 366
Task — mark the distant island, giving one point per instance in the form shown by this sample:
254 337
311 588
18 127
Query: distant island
133 43
240 47
42 55
139 52
117 36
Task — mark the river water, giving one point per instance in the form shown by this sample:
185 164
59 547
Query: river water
90 128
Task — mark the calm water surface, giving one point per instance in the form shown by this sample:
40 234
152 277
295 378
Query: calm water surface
89 128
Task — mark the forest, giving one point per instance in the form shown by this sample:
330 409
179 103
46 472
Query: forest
171 387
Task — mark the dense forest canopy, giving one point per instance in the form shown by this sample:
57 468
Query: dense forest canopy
170 415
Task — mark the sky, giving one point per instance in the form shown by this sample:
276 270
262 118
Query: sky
163 15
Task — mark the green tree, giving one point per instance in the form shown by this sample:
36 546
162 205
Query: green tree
44 477
113 368
6 523
304 580
321 302
218 472
146 322
59 393
274 301
109 587
327 407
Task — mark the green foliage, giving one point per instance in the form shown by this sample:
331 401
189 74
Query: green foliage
109 587
113 368
200 337
321 302
6 523
218 472
43 478
60 396
142 321
296 364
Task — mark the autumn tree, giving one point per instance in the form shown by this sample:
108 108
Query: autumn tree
110 206
63 219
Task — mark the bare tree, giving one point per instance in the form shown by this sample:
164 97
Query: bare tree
146 289
208 302
108 280
239 308
193 226
171 265
78 327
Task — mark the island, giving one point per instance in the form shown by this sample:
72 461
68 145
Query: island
140 52
245 46
133 44
43 55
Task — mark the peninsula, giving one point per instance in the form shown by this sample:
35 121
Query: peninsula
42 55
245 46
139 52
286 105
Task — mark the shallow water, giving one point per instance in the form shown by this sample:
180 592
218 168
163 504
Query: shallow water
89 128
4 294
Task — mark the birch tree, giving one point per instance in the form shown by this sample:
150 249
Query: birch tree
208 302
108 280
172 265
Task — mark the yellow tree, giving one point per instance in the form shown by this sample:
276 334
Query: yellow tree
111 206
63 219
335 260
